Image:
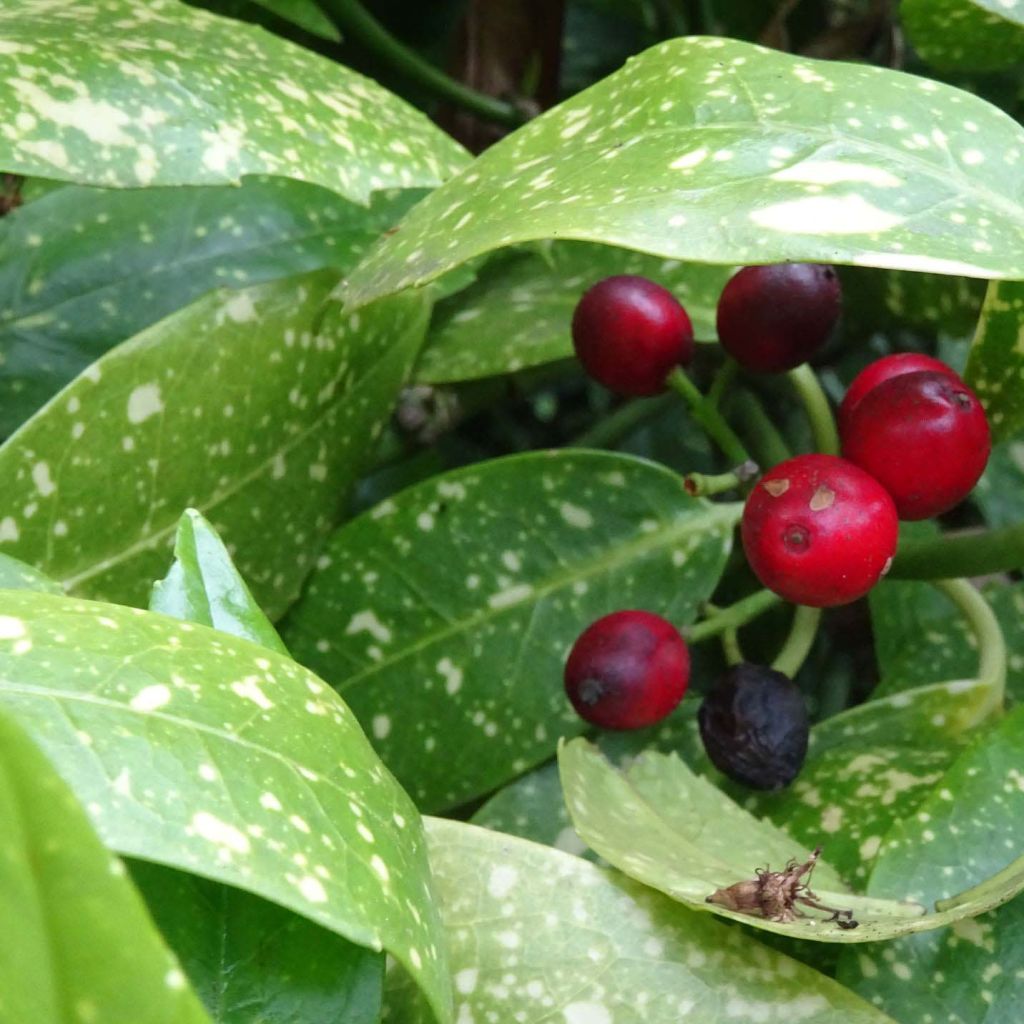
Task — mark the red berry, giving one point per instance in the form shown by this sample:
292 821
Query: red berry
924 437
776 317
819 531
629 333
885 369
627 670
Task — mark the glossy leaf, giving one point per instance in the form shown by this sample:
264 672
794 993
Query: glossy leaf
518 313
15 575
217 756
253 407
204 586
112 93
533 548
304 13
718 151
966 35
538 936
663 825
971 826
253 961
81 269
998 491
995 366
78 944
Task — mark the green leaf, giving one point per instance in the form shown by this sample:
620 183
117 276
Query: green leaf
717 151
668 828
204 586
518 313
82 269
304 13
253 407
77 944
966 35
998 491
995 366
972 825
252 961
15 575
538 936
214 755
111 93
533 548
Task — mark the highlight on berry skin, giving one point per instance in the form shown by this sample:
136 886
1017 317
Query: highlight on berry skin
630 333
627 670
772 318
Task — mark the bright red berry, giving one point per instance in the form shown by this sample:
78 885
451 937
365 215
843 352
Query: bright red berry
775 317
885 369
630 333
819 531
924 437
627 670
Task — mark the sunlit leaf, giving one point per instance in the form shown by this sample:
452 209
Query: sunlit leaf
208 753
444 615
116 93
253 407
717 151
15 575
77 944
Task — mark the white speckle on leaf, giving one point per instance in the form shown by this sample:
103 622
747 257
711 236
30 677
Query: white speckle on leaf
576 516
150 698
502 881
586 1013
144 401
367 622
826 215
42 479
249 689
213 830
11 628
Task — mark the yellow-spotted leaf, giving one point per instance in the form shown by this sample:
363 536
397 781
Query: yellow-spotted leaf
967 35
995 366
217 756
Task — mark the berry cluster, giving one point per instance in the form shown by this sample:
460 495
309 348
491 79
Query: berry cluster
818 530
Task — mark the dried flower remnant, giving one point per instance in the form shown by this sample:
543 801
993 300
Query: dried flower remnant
774 895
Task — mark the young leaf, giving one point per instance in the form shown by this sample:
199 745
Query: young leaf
251 960
77 942
667 827
718 151
304 13
967 35
534 548
971 825
518 313
214 755
538 936
995 366
204 586
254 407
15 575
81 269
165 94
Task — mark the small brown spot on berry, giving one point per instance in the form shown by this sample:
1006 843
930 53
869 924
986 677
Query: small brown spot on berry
776 488
823 498
797 537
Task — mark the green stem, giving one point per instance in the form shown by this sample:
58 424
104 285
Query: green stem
709 418
965 554
733 617
357 23
701 485
986 629
731 647
610 429
722 380
823 423
764 437
802 632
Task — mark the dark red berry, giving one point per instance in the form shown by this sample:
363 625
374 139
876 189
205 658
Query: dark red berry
627 670
819 531
754 726
924 437
630 333
776 317
885 369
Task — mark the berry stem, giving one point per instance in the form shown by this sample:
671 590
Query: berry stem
700 485
731 647
708 417
721 381
610 429
960 554
763 436
823 423
358 23
802 632
985 626
733 617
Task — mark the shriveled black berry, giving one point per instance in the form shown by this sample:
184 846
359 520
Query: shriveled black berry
754 726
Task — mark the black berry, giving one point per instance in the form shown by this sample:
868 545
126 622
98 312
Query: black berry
754 726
